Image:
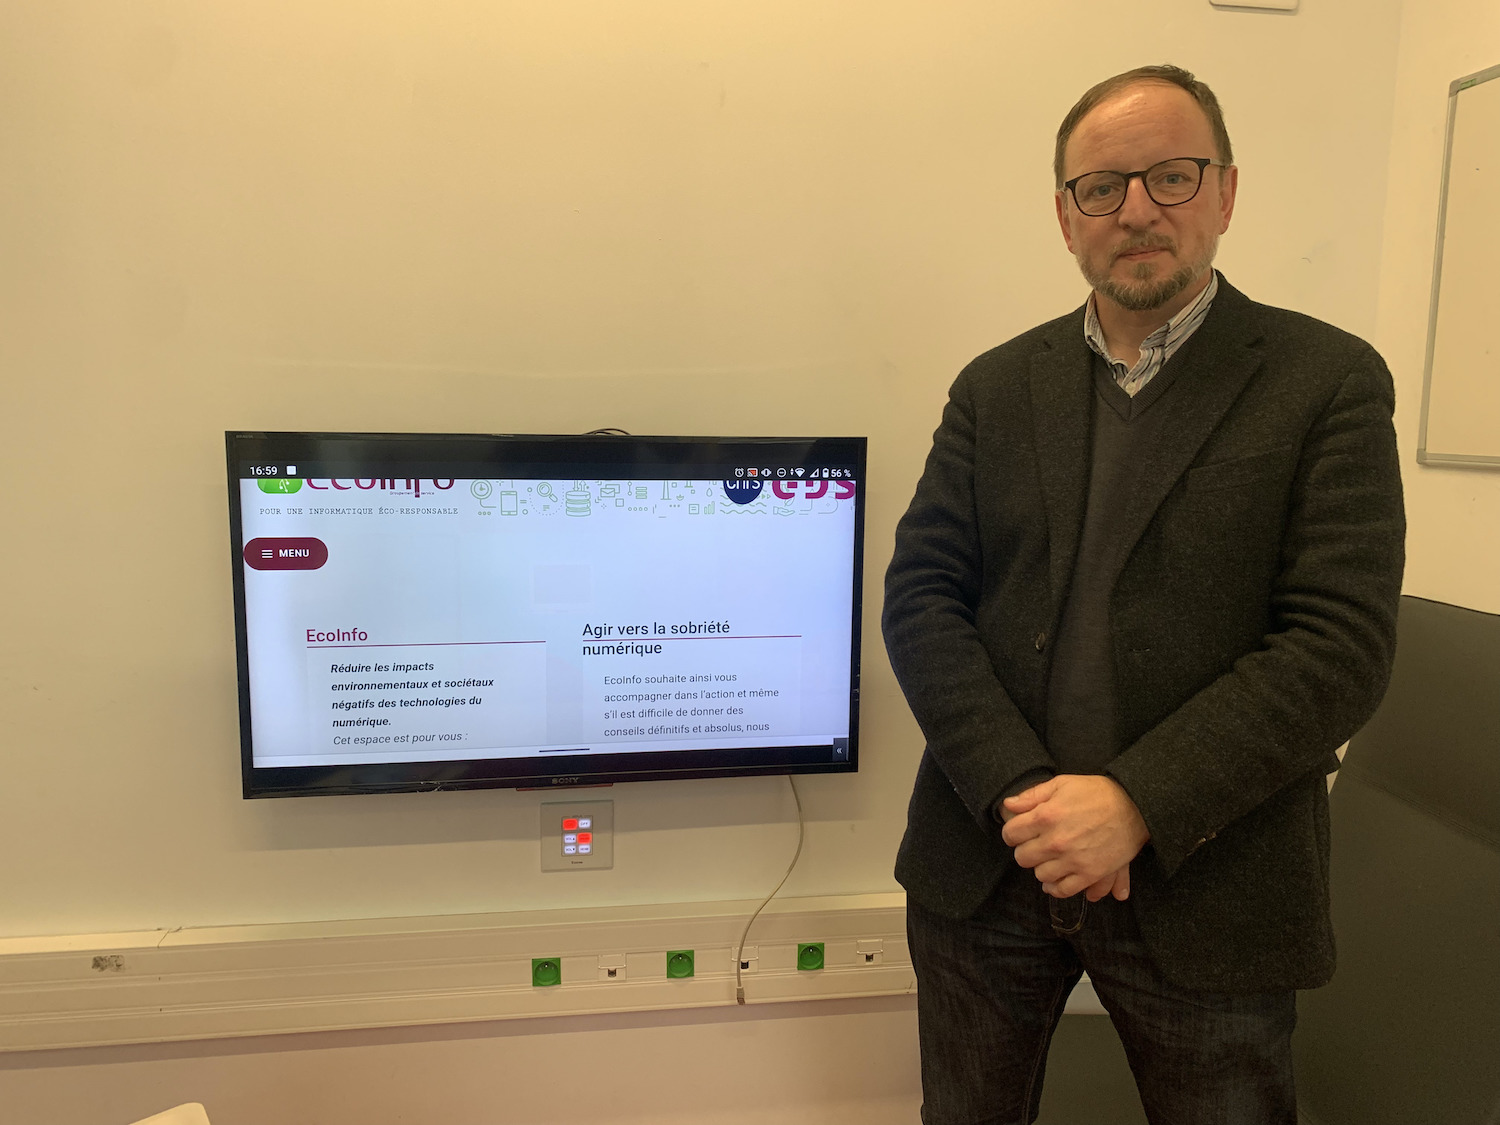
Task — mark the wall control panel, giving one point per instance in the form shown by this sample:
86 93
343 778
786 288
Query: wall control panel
578 835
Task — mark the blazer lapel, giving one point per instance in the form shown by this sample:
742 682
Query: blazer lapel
1222 356
1062 391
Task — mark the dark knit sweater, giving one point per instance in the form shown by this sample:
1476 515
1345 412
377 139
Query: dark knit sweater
1082 732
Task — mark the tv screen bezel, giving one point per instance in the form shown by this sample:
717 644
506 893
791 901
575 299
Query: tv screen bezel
604 450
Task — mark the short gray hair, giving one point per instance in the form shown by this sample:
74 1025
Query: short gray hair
1174 75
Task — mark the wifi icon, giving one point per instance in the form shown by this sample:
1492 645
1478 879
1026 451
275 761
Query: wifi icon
799 472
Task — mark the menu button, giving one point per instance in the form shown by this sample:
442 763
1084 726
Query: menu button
286 554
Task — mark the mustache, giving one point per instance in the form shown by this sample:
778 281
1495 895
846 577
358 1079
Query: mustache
1144 242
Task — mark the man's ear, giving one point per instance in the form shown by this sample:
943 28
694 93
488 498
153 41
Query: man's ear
1229 182
1065 217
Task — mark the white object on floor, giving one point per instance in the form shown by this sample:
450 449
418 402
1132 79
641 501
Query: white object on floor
192 1113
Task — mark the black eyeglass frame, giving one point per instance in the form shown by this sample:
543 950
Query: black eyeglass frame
1203 162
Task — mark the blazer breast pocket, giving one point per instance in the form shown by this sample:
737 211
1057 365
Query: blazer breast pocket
1231 514
1238 472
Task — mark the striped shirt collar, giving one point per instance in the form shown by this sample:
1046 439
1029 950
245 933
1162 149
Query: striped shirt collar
1156 348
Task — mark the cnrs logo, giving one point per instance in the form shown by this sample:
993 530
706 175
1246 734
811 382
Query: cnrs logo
742 491
280 485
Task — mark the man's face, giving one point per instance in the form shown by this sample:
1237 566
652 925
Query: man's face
1146 256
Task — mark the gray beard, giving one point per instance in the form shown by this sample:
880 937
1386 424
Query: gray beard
1143 294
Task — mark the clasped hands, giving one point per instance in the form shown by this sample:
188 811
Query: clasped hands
1076 832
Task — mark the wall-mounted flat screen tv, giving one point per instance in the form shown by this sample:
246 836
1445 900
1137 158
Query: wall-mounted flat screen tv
416 612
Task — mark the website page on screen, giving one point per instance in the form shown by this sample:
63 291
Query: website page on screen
414 620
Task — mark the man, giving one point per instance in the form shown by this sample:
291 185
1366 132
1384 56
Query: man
1146 588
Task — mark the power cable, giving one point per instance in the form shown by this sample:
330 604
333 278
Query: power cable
739 953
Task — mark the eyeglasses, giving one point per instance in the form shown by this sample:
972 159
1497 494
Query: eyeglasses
1169 183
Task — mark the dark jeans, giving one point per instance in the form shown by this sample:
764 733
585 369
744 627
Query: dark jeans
991 990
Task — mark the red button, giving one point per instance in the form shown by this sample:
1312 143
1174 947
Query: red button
585 837
570 824
286 554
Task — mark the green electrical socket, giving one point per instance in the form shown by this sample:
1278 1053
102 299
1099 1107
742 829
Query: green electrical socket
545 972
809 956
679 963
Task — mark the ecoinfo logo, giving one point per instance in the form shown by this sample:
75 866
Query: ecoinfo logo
282 486
386 484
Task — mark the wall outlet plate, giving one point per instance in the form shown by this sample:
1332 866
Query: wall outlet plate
612 966
679 964
809 956
592 819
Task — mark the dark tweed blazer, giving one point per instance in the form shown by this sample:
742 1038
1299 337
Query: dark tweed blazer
1253 619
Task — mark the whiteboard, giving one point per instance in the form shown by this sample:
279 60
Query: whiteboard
1461 384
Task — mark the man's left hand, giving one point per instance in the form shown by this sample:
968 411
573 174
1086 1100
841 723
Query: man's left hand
1072 830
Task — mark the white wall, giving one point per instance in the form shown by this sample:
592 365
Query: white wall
1453 514
441 214
445 214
